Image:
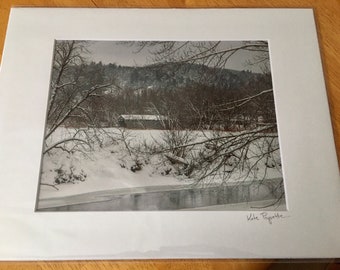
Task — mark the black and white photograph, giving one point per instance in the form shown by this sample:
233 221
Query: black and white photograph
142 134
161 125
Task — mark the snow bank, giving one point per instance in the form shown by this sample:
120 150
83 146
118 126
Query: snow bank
109 164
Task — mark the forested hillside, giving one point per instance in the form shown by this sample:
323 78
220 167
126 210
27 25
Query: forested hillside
190 94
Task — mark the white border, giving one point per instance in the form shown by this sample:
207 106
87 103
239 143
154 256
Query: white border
311 228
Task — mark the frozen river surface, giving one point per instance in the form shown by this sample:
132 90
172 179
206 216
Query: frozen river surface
181 197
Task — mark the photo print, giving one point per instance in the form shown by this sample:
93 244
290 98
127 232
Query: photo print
161 125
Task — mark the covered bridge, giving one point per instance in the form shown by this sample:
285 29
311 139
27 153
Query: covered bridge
143 121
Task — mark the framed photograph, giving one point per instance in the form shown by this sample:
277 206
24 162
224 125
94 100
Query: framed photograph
137 133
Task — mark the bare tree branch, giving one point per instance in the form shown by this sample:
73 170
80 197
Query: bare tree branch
64 141
75 106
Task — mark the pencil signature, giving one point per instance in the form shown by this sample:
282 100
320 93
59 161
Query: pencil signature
268 217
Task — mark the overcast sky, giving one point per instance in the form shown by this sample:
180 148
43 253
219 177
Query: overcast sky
122 54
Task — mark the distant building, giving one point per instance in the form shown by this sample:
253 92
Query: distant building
143 121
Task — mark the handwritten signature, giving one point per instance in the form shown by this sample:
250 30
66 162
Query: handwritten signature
268 217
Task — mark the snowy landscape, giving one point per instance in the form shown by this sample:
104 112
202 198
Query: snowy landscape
176 128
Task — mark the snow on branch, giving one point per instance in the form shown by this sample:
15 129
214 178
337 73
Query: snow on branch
62 85
240 136
240 102
176 159
55 145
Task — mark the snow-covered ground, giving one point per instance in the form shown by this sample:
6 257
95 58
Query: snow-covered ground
115 163
105 168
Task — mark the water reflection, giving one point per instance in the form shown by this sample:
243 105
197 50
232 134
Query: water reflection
193 197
